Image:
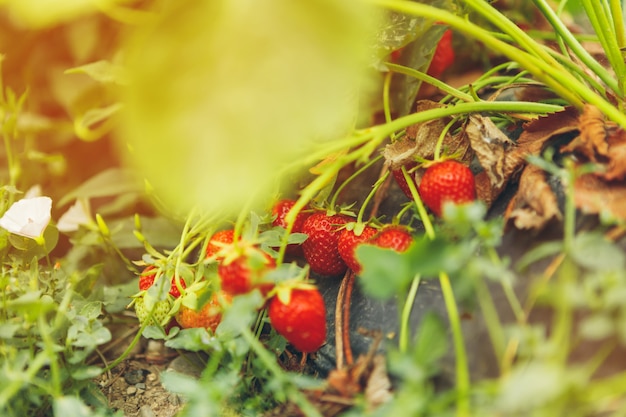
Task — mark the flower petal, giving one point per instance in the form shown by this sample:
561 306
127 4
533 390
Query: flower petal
28 217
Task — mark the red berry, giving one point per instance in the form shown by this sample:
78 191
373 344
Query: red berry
348 242
397 238
280 210
320 248
221 237
447 181
398 175
301 320
244 271
443 57
146 280
209 316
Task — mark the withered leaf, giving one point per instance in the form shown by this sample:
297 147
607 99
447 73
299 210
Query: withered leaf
616 166
534 204
593 195
491 146
591 143
538 132
420 141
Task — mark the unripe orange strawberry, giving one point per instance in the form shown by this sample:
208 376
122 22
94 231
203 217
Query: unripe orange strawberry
208 317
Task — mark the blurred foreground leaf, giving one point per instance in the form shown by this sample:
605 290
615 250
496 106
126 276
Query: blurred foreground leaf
223 94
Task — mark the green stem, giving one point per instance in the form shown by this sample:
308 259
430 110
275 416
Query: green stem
55 375
400 69
403 338
539 63
462 366
270 364
575 46
492 319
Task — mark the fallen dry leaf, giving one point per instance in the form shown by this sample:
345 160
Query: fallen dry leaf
421 139
593 195
491 146
591 142
534 204
539 132
616 166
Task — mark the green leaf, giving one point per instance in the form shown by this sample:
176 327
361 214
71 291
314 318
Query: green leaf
86 372
70 406
110 182
592 250
431 341
385 272
102 71
193 340
539 252
529 387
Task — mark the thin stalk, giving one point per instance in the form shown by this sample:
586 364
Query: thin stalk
387 100
403 338
546 68
492 319
576 47
460 354
401 69
618 23
462 367
269 362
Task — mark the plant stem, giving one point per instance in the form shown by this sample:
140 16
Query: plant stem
539 62
400 69
575 46
462 369
403 339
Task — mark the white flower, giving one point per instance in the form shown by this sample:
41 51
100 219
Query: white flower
76 215
28 217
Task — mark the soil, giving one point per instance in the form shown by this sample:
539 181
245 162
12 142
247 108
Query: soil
134 386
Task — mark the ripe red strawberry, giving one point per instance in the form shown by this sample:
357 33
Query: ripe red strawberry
300 317
320 248
220 237
209 316
348 242
397 238
398 175
443 57
447 181
244 270
146 280
280 210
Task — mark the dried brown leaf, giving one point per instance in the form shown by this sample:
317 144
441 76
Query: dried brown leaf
616 166
593 195
537 133
592 141
534 204
421 139
491 146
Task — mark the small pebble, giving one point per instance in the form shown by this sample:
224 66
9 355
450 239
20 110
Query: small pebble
146 411
131 390
135 376
140 385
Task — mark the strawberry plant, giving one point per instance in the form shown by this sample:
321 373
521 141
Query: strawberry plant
213 178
